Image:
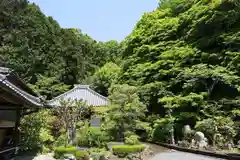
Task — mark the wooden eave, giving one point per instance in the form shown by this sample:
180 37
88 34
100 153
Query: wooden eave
15 92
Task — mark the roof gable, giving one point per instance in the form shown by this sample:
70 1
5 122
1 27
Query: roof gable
83 92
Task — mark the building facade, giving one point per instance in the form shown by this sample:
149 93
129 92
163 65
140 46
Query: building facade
16 100
85 93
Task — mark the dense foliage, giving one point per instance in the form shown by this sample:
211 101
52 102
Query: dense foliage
184 57
125 111
36 132
178 66
104 77
42 52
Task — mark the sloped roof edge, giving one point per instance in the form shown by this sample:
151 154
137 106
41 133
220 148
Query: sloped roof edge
28 98
77 86
11 75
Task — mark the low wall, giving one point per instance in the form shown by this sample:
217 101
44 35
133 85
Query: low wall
231 156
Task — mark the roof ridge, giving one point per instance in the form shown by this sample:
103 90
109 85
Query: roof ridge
80 86
63 94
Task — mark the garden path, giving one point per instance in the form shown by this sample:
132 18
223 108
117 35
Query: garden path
176 155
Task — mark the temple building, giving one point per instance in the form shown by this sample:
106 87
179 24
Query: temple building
81 92
16 100
85 93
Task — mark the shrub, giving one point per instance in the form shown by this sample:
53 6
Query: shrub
162 129
91 136
59 152
98 153
97 137
97 156
61 140
218 130
131 140
34 131
188 136
45 149
81 155
128 133
124 150
82 135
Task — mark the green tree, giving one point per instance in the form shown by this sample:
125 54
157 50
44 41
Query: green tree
33 44
104 77
69 112
50 87
35 134
125 109
219 130
109 51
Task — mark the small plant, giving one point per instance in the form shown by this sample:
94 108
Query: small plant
128 133
98 153
97 137
81 155
131 140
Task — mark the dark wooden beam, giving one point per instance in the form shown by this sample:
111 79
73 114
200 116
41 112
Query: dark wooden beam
9 107
9 98
16 130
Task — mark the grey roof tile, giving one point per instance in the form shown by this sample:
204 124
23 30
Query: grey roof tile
81 92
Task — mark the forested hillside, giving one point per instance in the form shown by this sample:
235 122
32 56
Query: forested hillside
43 53
182 59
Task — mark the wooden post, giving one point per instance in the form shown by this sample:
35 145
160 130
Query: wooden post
16 130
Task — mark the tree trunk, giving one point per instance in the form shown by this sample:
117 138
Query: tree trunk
122 138
213 142
70 139
73 132
67 134
172 136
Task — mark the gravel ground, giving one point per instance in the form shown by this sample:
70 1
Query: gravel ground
176 155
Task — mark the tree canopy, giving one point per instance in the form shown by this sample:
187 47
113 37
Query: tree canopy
182 57
35 45
185 53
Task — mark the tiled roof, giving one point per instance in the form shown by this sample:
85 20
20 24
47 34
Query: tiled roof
27 98
81 92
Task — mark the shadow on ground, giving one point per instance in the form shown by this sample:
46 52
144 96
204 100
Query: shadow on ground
26 156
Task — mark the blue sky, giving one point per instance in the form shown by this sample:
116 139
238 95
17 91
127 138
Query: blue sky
103 20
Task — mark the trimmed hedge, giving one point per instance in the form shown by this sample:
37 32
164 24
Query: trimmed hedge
124 150
59 152
81 155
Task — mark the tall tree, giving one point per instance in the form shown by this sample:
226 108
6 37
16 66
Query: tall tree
125 109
